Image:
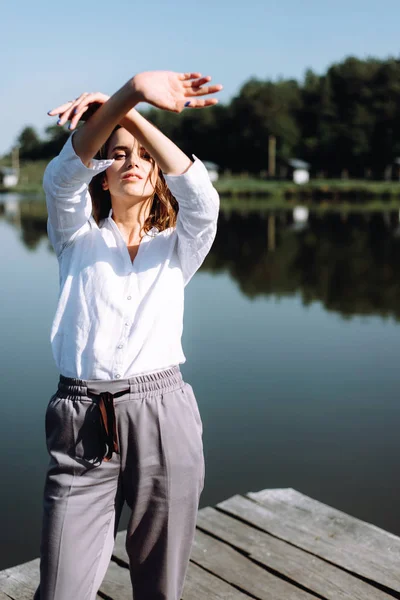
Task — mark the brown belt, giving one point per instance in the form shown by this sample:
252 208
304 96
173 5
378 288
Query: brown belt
98 390
108 421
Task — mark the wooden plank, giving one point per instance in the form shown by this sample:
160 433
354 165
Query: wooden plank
236 569
20 582
231 566
288 525
117 583
309 571
201 585
119 551
338 525
5 597
283 530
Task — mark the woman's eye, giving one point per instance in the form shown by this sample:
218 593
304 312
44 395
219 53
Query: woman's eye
119 156
144 154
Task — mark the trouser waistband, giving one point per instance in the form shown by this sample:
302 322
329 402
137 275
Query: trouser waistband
159 381
103 394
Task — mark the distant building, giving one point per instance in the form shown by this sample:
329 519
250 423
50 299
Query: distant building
396 170
300 214
212 169
300 170
8 177
300 218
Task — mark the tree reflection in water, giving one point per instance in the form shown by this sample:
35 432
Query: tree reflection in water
348 262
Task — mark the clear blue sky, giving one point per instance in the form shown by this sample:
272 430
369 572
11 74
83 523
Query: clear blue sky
52 52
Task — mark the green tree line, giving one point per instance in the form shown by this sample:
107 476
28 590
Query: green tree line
345 122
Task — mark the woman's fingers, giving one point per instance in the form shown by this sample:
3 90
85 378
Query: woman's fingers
60 109
76 117
64 107
69 112
196 86
86 104
202 91
197 82
64 116
186 76
201 103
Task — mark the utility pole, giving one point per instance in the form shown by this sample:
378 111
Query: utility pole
271 232
15 158
271 155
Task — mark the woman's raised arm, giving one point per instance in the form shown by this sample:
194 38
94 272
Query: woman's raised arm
163 89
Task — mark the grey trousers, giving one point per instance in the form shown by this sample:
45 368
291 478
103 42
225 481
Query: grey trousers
158 471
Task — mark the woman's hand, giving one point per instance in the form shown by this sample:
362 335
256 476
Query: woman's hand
80 109
174 91
164 89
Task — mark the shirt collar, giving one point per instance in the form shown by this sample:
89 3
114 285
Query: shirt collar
153 231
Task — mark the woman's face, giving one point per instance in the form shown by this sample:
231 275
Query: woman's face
132 173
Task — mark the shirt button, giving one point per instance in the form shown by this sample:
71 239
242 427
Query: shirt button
118 376
126 324
120 346
129 298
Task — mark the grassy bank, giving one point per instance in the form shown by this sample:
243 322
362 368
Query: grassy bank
278 204
30 180
317 190
35 208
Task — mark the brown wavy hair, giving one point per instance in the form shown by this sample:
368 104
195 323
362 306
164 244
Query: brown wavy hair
164 207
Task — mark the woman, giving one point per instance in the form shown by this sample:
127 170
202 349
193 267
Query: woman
123 426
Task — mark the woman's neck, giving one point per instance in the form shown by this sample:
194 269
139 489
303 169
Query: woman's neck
130 219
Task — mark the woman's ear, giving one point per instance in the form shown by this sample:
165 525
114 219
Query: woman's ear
104 183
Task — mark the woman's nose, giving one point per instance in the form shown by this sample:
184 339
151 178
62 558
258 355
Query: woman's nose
133 160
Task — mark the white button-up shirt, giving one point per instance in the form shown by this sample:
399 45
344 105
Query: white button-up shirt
116 319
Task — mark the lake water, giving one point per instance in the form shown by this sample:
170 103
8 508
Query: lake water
292 341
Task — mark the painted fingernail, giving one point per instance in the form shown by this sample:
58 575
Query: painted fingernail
49 111
59 121
75 111
187 103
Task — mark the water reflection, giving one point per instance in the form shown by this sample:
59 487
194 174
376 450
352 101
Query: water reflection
29 216
349 262
290 396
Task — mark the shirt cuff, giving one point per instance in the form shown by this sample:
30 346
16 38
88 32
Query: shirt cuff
73 166
189 183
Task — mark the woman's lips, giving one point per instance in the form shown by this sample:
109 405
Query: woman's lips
132 176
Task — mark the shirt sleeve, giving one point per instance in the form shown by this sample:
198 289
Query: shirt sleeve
196 224
69 205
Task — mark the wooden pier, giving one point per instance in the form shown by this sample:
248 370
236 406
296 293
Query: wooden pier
270 545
